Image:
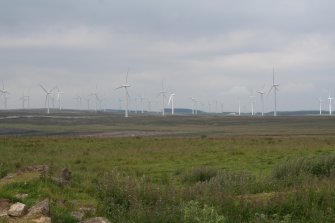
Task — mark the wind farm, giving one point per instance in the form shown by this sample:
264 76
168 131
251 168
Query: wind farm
167 111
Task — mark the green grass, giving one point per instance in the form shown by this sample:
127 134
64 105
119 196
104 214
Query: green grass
213 170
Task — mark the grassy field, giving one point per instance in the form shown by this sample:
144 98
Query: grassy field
185 169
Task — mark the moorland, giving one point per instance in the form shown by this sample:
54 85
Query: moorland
207 168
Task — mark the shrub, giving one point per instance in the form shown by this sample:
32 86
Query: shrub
131 199
195 213
320 166
3 170
199 174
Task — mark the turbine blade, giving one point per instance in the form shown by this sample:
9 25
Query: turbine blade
273 75
54 89
127 76
269 91
118 88
44 89
170 99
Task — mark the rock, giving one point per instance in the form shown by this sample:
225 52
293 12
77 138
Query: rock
64 178
4 207
96 220
88 210
42 220
21 196
17 210
40 209
36 168
65 175
78 215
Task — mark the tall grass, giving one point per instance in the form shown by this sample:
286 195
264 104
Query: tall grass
319 166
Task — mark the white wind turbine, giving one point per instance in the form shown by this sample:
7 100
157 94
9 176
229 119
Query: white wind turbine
252 103
28 99
149 105
163 93
95 94
5 94
196 107
47 97
171 101
125 86
136 105
330 103
239 107
275 89
79 100
261 94
59 93
88 101
141 103
24 98
193 100
320 105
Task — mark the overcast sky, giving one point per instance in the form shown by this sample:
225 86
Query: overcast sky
208 49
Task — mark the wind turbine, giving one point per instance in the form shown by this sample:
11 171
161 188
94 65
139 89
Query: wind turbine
5 94
149 106
95 94
239 107
209 106
136 105
47 97
193 105
275 89
196 103
261 94
171 101
321 102
88 100
141 103
330 104
252 103
163 93
79 100
24 98
59 93
125 86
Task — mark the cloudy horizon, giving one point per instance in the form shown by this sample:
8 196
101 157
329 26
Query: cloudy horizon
212 50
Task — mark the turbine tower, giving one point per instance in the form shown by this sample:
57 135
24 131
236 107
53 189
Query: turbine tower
163 93
239 107
171 101
59 93
24 99
193 105
141 103
47 97
320 103
275 89
252 103
330 103
261 94
79 100
95 94
125 87
88 100
5 94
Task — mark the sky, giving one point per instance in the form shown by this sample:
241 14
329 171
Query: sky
213 50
